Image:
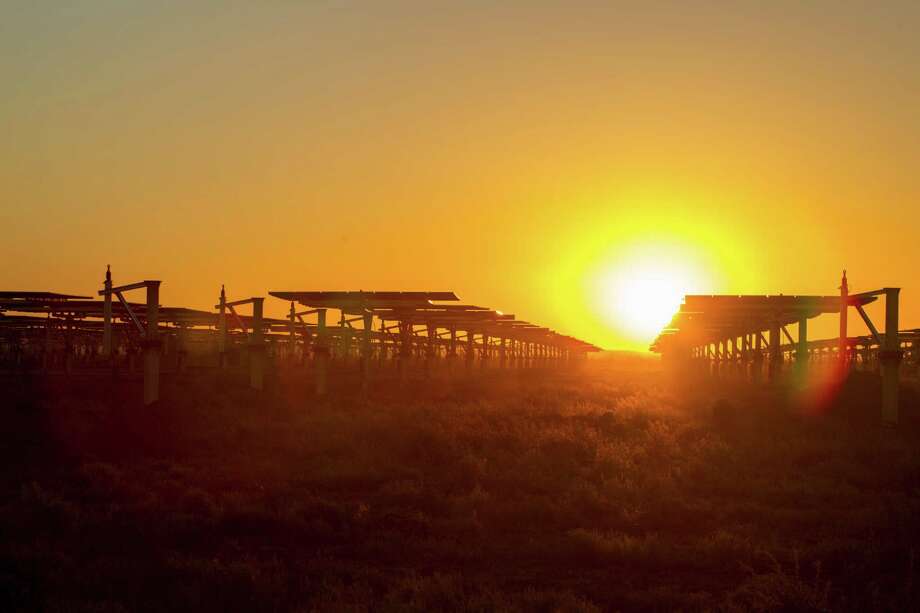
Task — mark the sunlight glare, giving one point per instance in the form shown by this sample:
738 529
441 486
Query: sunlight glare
639 292
646 303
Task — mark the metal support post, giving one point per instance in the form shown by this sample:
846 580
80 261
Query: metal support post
320 352
292 330
222 329
366 351
757 364
431 339
890 358
152 344
405 349
452 350
107 315
257 347
801 351
844 309
776 353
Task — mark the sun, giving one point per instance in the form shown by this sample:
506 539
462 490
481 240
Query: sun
637 294
646 302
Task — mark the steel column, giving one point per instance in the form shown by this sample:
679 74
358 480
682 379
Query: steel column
152 344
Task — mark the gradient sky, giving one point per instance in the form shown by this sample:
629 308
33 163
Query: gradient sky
521 154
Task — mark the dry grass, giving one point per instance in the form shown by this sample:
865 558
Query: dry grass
582 492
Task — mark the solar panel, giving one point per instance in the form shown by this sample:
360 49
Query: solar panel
37 296
365 299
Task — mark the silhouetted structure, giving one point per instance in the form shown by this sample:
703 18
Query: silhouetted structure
413 331
726 335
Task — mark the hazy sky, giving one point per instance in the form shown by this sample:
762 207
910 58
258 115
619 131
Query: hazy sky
519 154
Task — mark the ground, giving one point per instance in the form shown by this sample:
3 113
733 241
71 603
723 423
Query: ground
607 488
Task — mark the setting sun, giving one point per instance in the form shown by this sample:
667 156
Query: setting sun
638 290
645 302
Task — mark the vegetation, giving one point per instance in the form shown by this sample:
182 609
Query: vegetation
577 492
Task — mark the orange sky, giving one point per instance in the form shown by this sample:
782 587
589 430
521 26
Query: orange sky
521 155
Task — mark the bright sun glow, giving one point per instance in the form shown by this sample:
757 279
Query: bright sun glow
646 302
639 292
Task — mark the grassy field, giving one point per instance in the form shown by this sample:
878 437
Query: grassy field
597 490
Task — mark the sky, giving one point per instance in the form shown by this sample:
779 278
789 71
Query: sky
542 158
